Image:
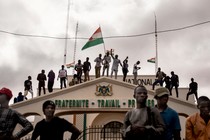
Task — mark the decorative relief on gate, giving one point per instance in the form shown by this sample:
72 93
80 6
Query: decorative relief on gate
104 90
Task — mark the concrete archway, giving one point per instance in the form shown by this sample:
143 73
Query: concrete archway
104 118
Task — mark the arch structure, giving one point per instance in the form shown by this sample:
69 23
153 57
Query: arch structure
99 102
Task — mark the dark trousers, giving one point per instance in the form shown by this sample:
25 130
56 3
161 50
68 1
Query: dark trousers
192 92
79 76
63 81
50 86
40 90
125 71
157 81
176 89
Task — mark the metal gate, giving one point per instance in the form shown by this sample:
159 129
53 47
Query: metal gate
110 131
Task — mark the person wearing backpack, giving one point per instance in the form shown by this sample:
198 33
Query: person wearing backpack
142 122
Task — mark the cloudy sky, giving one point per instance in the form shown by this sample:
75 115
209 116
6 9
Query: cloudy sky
186 52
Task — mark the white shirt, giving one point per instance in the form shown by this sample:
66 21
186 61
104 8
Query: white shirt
115 64
98 61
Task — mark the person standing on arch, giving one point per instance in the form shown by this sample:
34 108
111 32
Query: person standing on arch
79 67
115 65
51 78
41 78
135 72
98 61
28 87
174 83
193 89
86 69
167 81
125 68
62 74
159 75
106 61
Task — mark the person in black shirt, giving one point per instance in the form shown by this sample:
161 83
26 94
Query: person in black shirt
167 81
53 128
86 69
193 87
174 83
28 87
78 67
51 78
41 78
125 68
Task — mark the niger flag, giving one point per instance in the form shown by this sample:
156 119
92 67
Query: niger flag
94 40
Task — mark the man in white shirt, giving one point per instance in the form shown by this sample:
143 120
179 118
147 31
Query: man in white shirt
62 74
106 61
115 65
135 72
98 61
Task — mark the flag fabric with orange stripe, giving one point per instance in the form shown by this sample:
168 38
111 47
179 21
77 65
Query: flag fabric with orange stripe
94 40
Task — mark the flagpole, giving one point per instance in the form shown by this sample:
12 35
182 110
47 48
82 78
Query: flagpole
75 45
67 27
156 45
103 41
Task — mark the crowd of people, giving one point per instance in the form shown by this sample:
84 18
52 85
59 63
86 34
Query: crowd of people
162 122
173 81
143 122
103 63
41 78
50 128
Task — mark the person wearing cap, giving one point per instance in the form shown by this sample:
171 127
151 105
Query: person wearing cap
142 122
53 128
197 126
170 116
9 118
